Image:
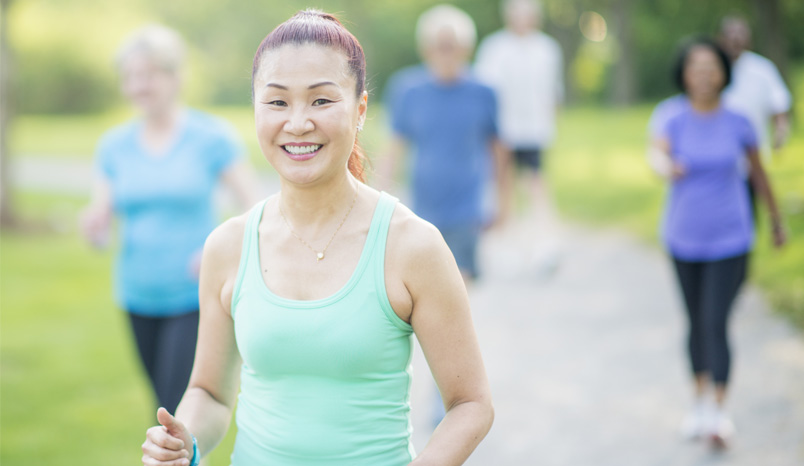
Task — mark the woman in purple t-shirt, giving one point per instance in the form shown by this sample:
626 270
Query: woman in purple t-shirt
704 151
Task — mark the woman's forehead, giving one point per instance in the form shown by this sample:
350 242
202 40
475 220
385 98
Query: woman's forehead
304 62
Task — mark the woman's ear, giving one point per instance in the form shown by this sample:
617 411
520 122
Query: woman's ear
362 107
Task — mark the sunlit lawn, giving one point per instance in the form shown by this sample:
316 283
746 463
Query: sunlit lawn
72 390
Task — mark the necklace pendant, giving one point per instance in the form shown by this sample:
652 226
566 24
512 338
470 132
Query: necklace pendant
319 256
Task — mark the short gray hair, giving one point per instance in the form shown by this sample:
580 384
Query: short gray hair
536 6
159 43
446 17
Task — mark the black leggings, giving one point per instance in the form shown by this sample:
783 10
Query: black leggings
709 290
167 349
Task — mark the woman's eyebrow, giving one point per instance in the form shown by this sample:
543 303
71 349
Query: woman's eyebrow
324 83
311 86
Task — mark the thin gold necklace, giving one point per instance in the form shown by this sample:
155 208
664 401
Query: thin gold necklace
319 254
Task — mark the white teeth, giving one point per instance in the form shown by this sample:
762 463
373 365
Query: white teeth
298 150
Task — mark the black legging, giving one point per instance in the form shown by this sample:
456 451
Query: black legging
709 290
167 349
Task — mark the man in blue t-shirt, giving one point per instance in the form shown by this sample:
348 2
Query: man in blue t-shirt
450 120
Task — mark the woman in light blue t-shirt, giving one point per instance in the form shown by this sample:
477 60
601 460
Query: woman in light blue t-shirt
156 174
704 149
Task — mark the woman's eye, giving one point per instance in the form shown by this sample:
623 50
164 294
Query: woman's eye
277 103
318 102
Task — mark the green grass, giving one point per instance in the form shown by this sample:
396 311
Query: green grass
72 388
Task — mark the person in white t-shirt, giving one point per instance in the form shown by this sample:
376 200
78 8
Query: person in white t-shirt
757 89
525 68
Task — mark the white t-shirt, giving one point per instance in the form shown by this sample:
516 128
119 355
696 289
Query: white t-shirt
758 92
526 72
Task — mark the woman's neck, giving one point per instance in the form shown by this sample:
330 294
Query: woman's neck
705 105
160 129
318 206
164 119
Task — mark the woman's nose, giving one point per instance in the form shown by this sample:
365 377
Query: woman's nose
298 123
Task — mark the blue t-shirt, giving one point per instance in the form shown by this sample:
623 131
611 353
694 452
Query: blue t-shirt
451 127
401 81
708 213
166 209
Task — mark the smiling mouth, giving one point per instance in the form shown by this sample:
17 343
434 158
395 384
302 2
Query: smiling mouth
302 150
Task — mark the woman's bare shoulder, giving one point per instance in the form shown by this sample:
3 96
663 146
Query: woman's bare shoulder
224 244
414 240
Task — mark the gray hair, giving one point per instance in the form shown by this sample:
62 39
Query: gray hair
159 43
535 6
446 18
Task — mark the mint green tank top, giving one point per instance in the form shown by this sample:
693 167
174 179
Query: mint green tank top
323 382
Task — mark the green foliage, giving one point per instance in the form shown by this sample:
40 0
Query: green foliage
64 51
62 54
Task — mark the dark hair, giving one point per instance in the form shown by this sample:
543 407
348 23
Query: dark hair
683 54
319 28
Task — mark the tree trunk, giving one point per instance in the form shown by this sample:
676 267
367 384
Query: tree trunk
7 212
770 30
624 85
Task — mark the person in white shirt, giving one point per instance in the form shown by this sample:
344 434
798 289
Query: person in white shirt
525 68
757 89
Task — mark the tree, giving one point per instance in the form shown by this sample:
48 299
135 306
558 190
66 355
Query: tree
771 27
7 215
624 84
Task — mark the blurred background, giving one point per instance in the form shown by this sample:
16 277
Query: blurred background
71 387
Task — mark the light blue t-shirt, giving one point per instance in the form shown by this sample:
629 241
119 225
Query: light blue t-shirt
708 213
451 126
165 205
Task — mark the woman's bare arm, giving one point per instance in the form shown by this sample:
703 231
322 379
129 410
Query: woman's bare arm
441 319
206 408
759 179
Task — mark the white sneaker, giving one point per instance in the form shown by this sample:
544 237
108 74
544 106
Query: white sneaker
720 430
696 422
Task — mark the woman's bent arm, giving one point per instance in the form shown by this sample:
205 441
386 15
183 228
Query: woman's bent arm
206 408
442 321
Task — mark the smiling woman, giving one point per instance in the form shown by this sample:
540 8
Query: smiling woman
306 113
309 302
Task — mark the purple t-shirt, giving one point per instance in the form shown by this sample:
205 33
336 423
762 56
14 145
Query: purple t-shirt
708 213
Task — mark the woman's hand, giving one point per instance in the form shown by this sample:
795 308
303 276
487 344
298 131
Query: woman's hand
779 234
97 217
662 162
168 444
95 222
677 171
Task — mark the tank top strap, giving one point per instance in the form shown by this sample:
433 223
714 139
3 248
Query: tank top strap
382 222
249 249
